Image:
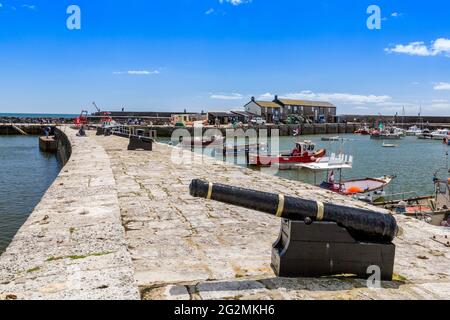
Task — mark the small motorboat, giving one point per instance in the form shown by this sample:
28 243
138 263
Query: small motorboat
440 134
389 145
426 134
413 131
368 189
304 152
331 138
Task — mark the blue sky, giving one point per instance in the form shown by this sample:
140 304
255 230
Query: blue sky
215 55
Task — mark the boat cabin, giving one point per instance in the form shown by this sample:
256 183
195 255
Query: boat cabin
442 200
303 147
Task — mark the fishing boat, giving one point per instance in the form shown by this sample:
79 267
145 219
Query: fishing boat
434 209
367 189
304 152
384 134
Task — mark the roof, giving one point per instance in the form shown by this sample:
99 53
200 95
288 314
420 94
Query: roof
220 113
306 103
243 113
268 104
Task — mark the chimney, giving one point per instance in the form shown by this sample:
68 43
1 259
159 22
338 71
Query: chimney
276 97
253 99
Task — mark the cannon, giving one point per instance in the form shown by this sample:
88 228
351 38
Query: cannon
316 238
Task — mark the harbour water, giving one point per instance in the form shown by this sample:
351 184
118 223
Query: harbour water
25 175
414 162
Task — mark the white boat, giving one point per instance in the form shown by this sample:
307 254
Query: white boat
440 134
413 131
399 131
389 145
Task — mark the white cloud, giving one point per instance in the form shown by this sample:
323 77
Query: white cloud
29 6
138 72
413 49
266 96
210 11
442 86
419 48
348 98
235 2
438 106
233 96
345 98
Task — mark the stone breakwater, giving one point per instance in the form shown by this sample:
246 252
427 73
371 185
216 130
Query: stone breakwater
120 224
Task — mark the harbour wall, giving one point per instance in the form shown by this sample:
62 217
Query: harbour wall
31 129
72 245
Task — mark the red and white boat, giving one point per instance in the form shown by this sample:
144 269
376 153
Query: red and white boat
304 152
368 189
363 131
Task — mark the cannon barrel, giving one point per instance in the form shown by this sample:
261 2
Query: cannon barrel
364 225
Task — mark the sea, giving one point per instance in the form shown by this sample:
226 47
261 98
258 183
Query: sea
413 163
25 175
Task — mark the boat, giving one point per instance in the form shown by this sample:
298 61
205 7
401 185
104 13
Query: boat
440 134
426 134
331 138
413 131
304 152
389 145
433 209
363 131
384 134
399 131
367 189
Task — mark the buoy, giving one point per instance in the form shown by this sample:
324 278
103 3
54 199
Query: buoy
355 190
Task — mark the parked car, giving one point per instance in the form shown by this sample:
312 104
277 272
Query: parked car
259 121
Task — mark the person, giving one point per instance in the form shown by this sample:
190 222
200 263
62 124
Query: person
81 132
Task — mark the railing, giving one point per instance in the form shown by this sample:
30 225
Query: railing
128 131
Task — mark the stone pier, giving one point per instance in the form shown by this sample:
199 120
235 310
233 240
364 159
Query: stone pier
120 224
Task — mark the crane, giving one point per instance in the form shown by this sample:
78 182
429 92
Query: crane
96 107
